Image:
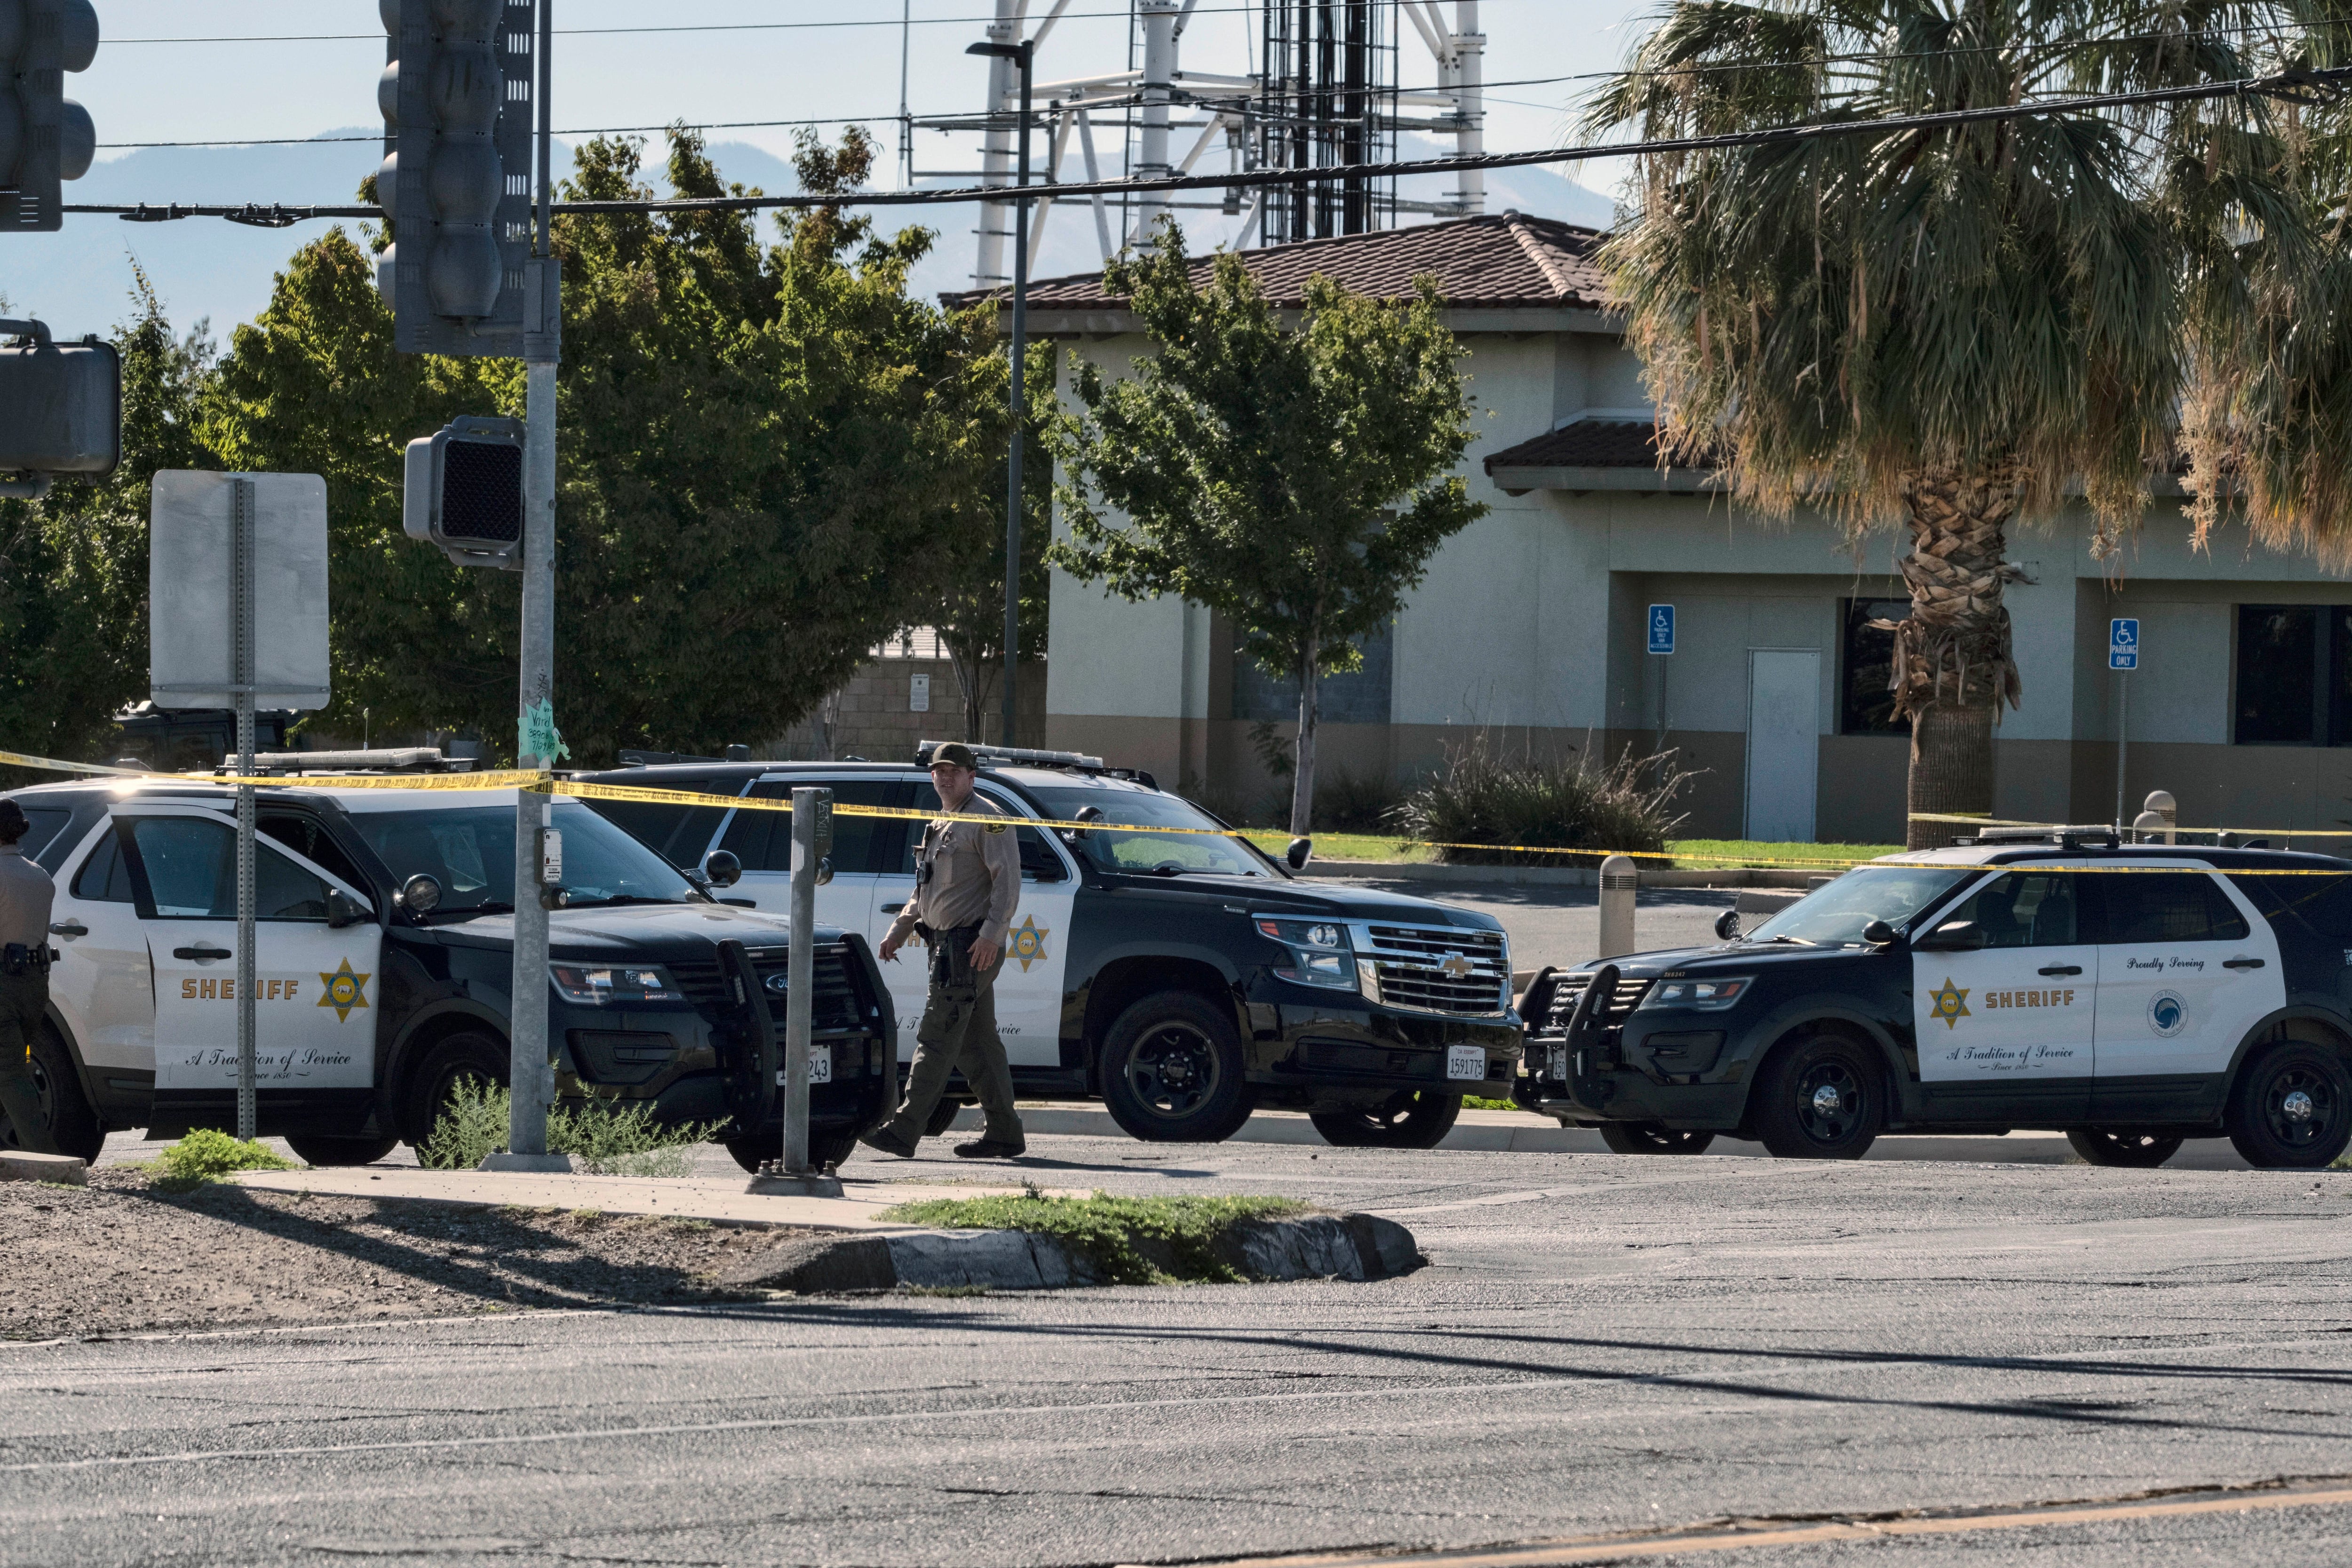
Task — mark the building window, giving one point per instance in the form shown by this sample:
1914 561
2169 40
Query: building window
1866 663
1361 697
2290 668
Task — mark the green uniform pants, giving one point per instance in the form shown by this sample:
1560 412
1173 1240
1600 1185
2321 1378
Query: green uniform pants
24 1008
959 1034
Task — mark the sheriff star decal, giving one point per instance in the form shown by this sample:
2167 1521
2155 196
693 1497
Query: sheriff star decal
1029 943
1950 1004
345 990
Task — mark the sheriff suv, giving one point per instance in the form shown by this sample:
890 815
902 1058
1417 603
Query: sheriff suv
2132 996
383 964
1178 974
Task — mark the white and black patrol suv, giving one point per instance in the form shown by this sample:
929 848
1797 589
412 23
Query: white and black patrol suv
1183 978
2132 995
384 962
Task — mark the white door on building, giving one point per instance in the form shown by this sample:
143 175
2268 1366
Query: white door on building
1784 723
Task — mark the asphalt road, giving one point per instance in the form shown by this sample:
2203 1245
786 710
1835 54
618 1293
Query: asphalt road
1562 925
1599 1343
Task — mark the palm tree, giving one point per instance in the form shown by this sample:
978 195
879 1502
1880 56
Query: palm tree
1957 329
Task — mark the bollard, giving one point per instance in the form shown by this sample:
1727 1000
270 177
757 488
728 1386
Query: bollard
2148 827
2159 803
1619 880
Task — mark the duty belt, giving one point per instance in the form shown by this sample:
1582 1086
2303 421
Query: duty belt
18 959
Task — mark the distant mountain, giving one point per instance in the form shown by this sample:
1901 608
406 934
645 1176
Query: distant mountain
203 269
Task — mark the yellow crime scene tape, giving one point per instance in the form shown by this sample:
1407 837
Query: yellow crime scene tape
2261 832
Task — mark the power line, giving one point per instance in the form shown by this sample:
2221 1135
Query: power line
2296 85
674 28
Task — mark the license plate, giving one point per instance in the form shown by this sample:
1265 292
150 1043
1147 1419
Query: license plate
1465 1062
1559 1063
820 1067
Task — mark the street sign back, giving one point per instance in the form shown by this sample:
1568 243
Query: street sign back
192 589
1661 628
2123 644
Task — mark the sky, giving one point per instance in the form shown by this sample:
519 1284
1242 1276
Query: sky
829 59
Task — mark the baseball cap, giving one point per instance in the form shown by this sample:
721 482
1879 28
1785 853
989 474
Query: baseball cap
954 752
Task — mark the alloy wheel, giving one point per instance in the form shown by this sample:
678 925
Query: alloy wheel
1173 1069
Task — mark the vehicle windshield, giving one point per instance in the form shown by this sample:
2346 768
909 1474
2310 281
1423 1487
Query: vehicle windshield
1138 849
470 851
1836 913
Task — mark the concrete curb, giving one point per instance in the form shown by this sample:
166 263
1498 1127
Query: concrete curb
23 1165
1356 1247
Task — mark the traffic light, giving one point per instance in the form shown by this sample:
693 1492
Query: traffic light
463 492
60 406
46 138
456 102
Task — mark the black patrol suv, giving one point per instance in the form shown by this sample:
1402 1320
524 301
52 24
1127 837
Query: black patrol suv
2132 995
384 961
1180 976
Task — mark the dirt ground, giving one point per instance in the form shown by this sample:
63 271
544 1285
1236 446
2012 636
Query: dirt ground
120 1257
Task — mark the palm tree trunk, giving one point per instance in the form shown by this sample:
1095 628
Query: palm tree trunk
1952 667
1302 778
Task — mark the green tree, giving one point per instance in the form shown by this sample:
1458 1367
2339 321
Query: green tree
1298 479
756 446
1952 328
73 566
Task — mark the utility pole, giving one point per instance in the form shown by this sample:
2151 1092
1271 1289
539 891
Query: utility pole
246 666
1023 56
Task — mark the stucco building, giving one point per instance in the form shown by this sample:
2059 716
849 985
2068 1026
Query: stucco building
1533 622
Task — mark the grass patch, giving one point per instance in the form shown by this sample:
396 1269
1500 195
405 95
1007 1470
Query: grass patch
207 1155
1691 854
1484 1102
618 1142
1183 1231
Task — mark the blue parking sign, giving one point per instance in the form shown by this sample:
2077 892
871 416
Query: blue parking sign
1661 628
2123 644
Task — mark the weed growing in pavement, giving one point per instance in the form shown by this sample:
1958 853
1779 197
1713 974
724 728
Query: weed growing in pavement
1108 1230
618 1142
207 1155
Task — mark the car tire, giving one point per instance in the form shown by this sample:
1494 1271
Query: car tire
469 1054
73 1126
2128 1151
943 1118
2290 1107
1416 1119
1820 1099
342 1151
1653 1138
1172 1071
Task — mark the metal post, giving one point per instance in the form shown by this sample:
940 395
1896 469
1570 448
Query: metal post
1020 413
996 152
2123 739
241 596
1469 46
1158 18
1620 880
531 1073
799 974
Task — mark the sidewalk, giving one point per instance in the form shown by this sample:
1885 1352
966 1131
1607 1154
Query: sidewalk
718 1200
1519 1133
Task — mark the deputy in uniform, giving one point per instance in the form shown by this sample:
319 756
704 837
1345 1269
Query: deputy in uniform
25 895
967 883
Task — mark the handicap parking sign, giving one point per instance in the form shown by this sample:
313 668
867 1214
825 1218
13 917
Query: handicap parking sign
2123 644
1661 628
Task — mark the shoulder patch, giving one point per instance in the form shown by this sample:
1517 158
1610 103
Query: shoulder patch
996 828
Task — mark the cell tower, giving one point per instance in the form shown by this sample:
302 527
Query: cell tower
1322 90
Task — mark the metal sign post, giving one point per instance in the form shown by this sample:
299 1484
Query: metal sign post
812 837
2122 657
242 636
1662 644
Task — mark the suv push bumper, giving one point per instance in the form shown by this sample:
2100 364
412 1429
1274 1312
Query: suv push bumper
1313 1049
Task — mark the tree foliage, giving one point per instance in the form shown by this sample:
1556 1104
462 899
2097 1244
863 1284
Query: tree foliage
1296 478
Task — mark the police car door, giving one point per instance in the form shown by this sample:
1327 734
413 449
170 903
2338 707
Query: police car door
762 841
102 985
1029 987
2186 969
316 985
2003 990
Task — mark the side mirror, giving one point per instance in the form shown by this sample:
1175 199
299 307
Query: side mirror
342 910
1301 851
1960 936
420 894
1084 814
1878 933
722 868
1726 925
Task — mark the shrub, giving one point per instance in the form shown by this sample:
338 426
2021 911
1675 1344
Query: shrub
1345 804
1482 797
604 1140
207 1154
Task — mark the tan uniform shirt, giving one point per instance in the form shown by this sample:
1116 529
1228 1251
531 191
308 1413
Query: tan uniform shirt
25 896
974 877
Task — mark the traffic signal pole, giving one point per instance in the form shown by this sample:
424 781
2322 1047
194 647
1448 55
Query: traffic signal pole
530 1072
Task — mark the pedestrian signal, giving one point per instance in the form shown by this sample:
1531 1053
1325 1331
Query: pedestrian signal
463 492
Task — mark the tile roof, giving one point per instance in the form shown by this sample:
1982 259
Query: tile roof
1507 260
1587 444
